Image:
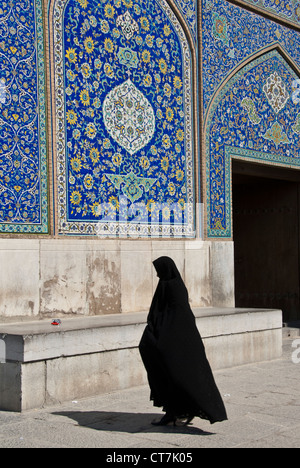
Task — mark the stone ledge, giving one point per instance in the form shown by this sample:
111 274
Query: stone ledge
39 340
41 364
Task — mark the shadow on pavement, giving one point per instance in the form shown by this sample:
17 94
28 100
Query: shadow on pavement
126 422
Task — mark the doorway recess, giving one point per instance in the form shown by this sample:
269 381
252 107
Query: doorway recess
266 207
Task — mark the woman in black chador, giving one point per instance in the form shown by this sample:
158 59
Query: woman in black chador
179 375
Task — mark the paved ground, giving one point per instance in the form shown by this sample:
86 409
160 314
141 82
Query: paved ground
262 400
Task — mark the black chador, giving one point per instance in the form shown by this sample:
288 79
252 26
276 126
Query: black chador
179 374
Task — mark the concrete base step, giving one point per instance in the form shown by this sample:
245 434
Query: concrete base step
41 364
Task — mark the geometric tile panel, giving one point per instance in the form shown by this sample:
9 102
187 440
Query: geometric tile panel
124 100
23 159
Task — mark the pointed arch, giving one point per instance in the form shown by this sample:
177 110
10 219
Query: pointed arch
244 121
134 162
276 46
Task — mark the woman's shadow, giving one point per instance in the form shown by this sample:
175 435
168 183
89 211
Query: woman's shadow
131 423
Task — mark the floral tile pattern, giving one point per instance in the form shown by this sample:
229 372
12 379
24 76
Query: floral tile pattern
124 118
23 159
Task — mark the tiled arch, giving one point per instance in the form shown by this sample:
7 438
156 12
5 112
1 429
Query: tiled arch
253 116
118 171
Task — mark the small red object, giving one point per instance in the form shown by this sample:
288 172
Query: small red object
56 322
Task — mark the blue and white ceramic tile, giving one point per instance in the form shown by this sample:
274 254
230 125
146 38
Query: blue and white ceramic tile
23 163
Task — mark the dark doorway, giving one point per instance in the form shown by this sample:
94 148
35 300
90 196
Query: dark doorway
266 237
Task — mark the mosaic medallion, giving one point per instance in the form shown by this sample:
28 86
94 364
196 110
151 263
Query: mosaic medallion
132 186
128 25
277 135
220 28
129 117
276 92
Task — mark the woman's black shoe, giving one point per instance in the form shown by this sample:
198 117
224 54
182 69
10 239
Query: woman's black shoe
183 421
165 421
